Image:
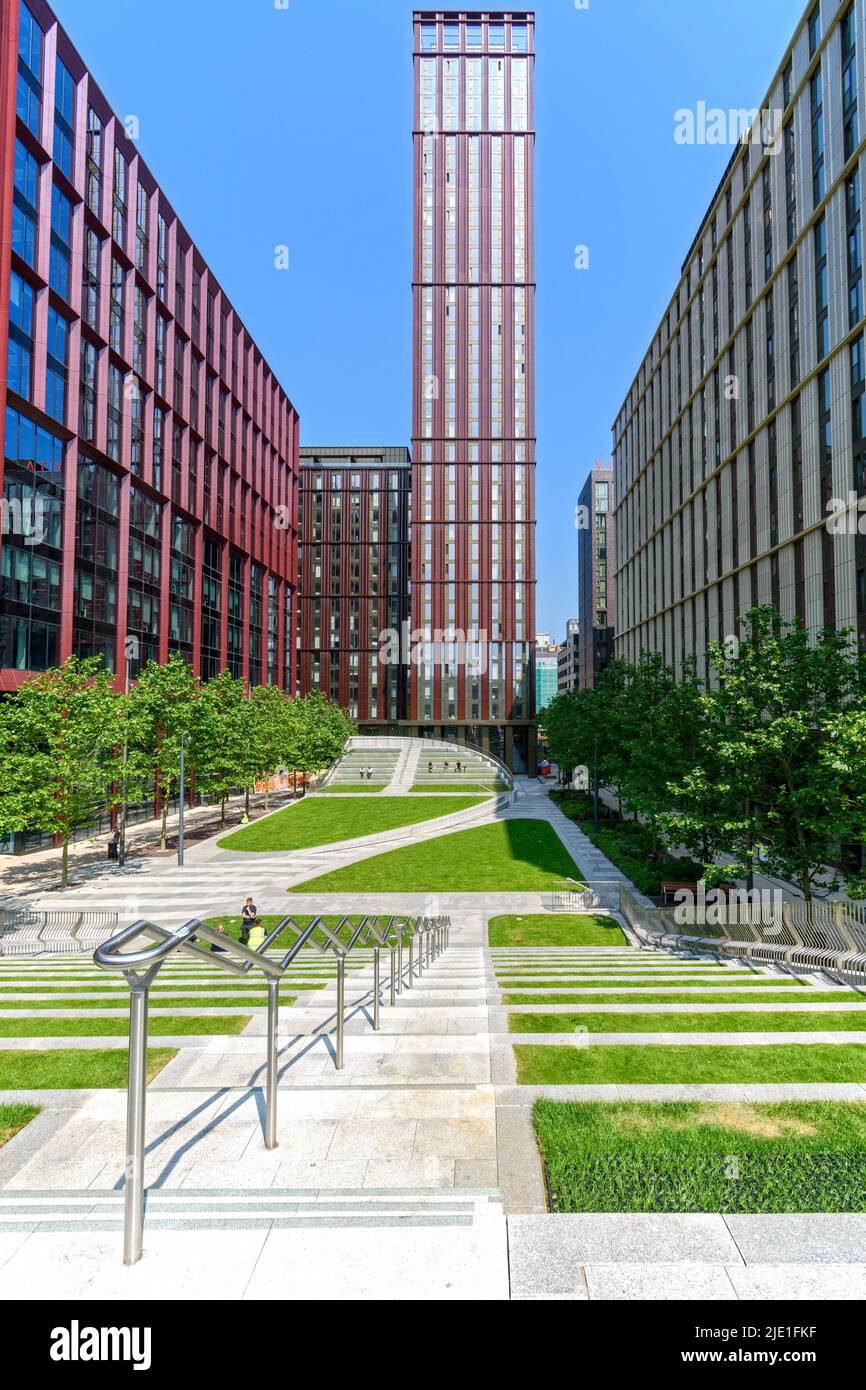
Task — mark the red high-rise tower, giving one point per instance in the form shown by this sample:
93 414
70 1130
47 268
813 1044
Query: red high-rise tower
473 423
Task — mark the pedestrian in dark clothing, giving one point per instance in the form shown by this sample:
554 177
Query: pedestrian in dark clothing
114 846
249 917
215 949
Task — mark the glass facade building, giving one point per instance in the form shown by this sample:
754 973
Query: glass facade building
149 467
473 431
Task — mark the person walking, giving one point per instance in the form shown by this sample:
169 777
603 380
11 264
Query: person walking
249 917
369 774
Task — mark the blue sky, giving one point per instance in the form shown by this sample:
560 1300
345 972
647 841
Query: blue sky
268 126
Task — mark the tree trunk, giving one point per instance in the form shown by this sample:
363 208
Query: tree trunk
267 793
222 813
64 862
247 802
163 831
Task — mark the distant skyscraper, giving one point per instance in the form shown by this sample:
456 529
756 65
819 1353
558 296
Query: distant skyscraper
596 570
473 445
569 658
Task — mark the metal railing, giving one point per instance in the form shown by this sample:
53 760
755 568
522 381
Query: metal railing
800 937
584 897
24 932
141 967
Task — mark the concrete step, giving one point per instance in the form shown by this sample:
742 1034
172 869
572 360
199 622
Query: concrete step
93 1210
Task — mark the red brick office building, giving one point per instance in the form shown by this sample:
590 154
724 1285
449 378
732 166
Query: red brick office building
149 467
473 430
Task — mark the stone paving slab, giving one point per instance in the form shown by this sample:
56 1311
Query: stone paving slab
546 1253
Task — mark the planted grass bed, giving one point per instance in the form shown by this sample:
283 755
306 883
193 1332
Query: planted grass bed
118 1027
71 1070
13 1118
601 1065
475 788
542 929
832 1021
355 788
318 821
814 996
233 1001
746 982
662 1157
508 856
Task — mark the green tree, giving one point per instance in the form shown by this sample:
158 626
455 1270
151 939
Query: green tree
221 730
161 712
316 733
59 735
782 724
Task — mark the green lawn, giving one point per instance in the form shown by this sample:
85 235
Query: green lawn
507 856
13 1118
352 788
477 788
663 1065
117 1027
244 1001
834 1021
815 996
70 1070
542 929
697 983
315 821
674 1157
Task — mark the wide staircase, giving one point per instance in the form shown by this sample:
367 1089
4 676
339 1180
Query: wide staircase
409 764
356 760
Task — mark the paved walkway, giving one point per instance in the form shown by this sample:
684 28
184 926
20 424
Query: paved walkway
413 1173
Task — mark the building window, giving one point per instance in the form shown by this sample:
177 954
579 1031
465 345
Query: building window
428 38
56 372
61 243
822 291
64 119
87 418
850 124
816 96
25 204
94 162
116 311
28 102
19 368
855 250
119 210
814 30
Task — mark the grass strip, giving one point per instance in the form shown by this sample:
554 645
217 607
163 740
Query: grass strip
245 1001
13 1118
118 1027
686 1157
833 1021
603 1064
542 929
71 1070
814 996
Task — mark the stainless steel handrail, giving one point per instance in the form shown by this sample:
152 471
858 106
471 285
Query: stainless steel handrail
141 967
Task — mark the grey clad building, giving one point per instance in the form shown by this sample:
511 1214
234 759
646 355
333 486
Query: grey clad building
595 558
742 434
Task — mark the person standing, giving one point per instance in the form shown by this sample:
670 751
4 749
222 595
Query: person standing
249 917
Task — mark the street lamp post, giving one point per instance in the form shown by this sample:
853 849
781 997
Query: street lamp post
595 774
184 740
121 844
